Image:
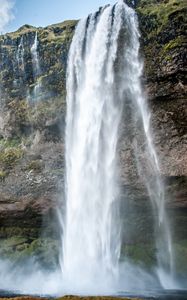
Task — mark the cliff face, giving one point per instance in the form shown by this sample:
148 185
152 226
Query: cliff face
32 118
163 49
164 45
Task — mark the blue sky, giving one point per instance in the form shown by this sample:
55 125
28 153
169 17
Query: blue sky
45 12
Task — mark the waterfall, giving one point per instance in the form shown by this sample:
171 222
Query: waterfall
104 72
19 66
150 174
20 55
35 58
36 69
91 242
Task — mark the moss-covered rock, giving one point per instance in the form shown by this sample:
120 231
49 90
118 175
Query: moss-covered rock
9 157
18 248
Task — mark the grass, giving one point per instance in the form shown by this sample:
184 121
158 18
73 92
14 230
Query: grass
9 157
9 143
173 44
160 12
34 165
3 175
44 110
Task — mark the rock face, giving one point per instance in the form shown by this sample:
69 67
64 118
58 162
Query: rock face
32 119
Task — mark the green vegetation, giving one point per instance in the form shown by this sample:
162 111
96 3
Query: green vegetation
157 13
10 153
3 175
142 254
58 33
44 110
168 48
18 248
9 157
10 143
35 165
17 34
173 44
20 109
181 257
145 255
10 232
162 24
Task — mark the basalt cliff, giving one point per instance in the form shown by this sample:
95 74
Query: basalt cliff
32 121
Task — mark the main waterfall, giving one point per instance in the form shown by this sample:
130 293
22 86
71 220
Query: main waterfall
104 73
91 245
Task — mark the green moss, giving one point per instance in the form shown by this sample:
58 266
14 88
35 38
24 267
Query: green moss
173 44
142 254
180 255
45 251
14 241
10 156
9 143
3 175
20 109
64 25
34 165
10 153
157 13
145 255
45 110
58 33
9 232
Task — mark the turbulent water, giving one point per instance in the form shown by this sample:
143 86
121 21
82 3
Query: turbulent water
104 71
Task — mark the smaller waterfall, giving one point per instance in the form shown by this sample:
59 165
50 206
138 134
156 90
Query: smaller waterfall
19 64
149 169
35 56
36 94
20 55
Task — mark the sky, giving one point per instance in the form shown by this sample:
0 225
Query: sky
15 13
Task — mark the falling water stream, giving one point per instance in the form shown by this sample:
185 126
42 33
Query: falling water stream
35 58
36 69
20 55
104 70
